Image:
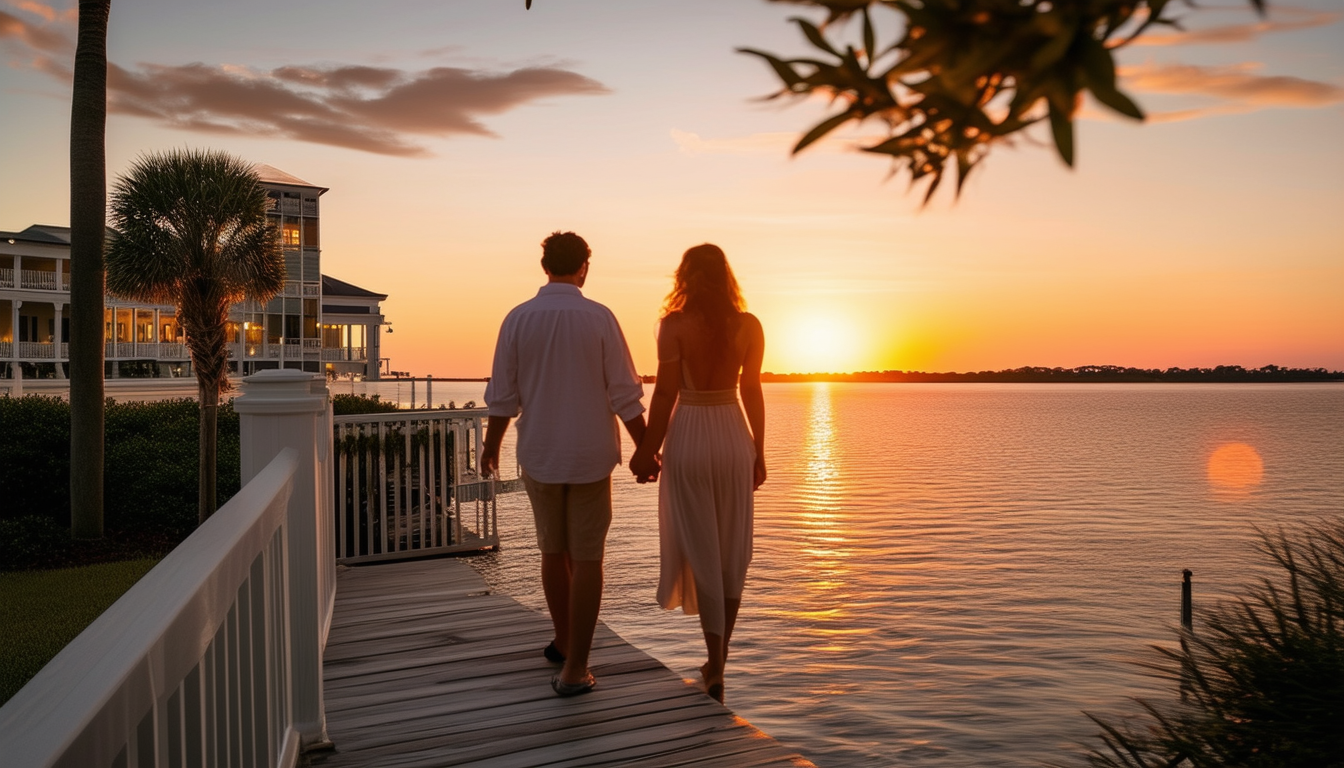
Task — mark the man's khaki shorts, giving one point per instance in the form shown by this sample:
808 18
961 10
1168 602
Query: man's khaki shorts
571 517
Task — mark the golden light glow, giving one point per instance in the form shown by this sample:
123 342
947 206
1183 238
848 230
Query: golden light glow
821 343
1235 467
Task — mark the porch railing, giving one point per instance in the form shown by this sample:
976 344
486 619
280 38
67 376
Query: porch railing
408 485
37 279
37 350
6 277
215 656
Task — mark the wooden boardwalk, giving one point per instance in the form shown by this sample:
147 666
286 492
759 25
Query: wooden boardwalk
425 667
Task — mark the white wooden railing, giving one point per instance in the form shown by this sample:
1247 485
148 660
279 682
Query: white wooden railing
37 279
407 484
6 277
215 656
41 350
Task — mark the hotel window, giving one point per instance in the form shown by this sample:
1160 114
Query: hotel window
310 318
124 326
273 329
293 265
108 331
310 233
144 326
289 234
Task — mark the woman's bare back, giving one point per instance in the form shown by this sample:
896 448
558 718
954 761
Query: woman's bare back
705 365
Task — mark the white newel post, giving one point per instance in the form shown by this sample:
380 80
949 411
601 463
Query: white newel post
279 409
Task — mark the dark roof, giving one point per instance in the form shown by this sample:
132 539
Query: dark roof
333 287
39 233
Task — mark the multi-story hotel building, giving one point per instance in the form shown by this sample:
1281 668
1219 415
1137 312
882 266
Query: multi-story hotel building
316 323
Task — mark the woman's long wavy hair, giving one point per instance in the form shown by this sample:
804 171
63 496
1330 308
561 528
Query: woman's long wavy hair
704 285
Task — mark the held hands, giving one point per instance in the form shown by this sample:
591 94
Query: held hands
489 462
646 465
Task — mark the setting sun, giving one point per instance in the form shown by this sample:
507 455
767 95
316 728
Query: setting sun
819 343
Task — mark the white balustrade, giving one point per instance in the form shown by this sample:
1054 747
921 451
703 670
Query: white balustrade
6 277
171 351
37 279
215 656
38 350
407 485
6 349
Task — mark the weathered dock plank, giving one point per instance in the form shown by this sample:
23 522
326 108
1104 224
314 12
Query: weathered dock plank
425 668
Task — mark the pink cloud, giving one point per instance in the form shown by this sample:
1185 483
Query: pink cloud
1238 86
1286 19
372 109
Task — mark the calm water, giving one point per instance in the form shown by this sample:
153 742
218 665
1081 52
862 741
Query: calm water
949 574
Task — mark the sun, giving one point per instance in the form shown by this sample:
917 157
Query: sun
820 343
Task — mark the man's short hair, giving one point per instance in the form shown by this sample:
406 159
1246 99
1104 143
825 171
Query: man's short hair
564 253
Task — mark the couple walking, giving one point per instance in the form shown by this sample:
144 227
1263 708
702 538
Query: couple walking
562 368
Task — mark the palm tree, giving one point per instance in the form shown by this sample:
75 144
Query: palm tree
191 230
88 207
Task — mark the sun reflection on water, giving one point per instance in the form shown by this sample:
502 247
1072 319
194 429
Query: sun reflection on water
824 526
1235 469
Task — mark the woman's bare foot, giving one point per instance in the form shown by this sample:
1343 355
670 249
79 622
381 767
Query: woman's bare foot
713 682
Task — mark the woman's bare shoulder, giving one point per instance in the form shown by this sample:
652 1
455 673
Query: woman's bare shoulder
751 323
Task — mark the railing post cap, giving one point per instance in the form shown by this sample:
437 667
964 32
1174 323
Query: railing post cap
280 390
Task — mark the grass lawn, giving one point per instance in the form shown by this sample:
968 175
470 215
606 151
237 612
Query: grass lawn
42 611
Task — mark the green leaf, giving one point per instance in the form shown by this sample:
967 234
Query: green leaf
822 128
1061 125
869 39
1100 70
814 35
782 68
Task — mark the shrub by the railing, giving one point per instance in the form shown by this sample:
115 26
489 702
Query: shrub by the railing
349 405
150 478
1261 683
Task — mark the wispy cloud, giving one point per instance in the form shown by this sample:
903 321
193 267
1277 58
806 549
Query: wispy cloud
1237 89
753 144
1286 19
778 143
373 109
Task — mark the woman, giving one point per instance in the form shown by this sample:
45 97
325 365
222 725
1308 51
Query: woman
711 463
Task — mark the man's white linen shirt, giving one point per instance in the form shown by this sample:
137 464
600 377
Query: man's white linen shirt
562 362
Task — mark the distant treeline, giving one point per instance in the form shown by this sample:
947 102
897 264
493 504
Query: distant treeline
1087 373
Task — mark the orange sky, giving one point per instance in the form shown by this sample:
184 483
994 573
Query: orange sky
455 138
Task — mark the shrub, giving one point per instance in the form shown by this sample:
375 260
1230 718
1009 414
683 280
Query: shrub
150 470
1262 684
348 405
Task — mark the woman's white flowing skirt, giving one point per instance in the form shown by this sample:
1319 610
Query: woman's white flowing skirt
705 506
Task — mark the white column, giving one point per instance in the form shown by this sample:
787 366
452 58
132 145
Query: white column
373 363
58 309
287 409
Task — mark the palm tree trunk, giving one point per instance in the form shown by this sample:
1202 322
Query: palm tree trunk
88 207
209 433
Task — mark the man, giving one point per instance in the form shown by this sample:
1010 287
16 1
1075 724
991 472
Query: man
562 363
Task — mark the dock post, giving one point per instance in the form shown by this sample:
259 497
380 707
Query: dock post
287 408
1187 605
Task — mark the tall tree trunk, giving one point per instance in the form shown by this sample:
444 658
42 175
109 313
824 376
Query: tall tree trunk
88 209
209 433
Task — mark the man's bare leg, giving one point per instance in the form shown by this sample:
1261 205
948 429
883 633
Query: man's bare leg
585 600
555 583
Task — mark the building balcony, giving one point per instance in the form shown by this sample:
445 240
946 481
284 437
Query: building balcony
343 354
36 350
144 350
6 277
6 350
38 280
